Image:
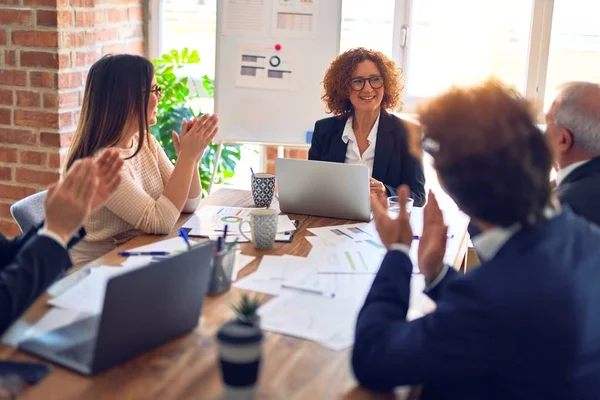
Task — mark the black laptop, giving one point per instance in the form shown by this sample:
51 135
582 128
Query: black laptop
142 309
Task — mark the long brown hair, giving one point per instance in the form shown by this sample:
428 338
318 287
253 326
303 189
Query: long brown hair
117 89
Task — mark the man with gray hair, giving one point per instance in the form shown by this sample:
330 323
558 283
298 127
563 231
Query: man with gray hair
573 132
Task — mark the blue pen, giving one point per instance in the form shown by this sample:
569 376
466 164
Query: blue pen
219 244
185 237
225 234
252 171
143 253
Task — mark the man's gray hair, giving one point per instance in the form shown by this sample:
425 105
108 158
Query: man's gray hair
578 110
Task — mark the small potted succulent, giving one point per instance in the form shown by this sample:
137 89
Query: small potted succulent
240 349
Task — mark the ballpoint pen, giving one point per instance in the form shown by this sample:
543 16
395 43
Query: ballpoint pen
143 253
309 290
232 244
185 237
417 237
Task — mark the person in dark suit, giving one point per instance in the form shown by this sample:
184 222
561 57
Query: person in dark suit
524 325
573 131
359 86
30 262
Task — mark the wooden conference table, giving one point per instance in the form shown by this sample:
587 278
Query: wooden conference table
187 367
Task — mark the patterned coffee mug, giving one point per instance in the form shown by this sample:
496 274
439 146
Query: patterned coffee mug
263 188
263 228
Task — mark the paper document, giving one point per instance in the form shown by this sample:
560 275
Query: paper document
262 66
241 261
295 18
272 272
340 285
87 295
339 234
210 221
245 17
65 283
54 319
308 316
174 245
358 259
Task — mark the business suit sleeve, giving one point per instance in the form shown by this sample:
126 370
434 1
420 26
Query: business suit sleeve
35 265
316 146
10 248
389 351
412 175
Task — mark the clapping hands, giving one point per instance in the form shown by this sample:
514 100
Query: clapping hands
196 135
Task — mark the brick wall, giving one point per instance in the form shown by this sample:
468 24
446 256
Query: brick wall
288 152
46 48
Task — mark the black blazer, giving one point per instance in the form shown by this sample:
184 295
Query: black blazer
523 325
393 164
28 265
580 190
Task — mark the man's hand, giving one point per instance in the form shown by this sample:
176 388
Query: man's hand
108 167
432 245
69 202
392 230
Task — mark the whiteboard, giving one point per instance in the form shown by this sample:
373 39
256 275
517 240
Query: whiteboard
279 111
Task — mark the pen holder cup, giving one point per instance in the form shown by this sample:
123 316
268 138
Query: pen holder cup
222 270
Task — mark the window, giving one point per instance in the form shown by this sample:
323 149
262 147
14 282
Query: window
574 45
366 26
463 42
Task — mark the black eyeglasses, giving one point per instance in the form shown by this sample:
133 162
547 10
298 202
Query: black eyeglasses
157 89
359 83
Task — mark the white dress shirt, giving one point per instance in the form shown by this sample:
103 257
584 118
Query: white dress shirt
353 155
51 235
563 172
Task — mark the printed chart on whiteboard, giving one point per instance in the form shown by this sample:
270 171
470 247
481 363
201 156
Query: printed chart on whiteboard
294 18
264 67
245 17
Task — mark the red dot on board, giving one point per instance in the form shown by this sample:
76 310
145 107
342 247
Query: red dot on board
277 47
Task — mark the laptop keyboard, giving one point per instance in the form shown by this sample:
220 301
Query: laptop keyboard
82 352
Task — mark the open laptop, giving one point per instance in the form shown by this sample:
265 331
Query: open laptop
324 189
142 309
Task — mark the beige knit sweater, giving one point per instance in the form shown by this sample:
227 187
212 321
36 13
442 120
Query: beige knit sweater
137 207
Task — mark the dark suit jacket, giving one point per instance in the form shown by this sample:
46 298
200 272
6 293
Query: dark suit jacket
524 325
393 164
28 265
580 190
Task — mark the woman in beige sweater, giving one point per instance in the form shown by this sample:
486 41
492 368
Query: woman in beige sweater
119 105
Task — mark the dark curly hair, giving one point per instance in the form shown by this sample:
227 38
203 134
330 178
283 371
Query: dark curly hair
489 154
336 84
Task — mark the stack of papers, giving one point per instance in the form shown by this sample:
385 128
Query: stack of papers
87 295
210 221
272 273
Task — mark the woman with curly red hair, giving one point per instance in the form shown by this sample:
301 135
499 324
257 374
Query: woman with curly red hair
359 86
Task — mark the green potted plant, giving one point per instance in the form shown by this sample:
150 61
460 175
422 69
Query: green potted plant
240 349
179 103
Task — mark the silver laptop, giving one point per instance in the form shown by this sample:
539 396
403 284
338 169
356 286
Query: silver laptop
324 189
142 309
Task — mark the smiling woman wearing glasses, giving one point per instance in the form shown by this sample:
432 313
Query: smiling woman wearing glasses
119 105
359 86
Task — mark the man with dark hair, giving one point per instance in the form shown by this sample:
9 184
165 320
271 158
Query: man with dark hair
524 325
32 261
573 131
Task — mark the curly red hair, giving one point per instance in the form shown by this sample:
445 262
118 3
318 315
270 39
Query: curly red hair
336 84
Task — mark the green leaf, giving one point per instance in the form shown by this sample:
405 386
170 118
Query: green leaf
175 106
